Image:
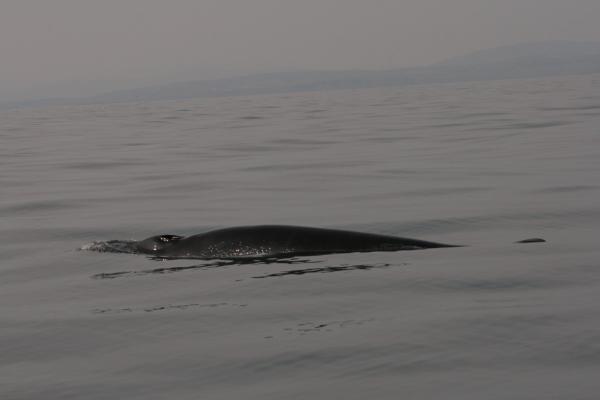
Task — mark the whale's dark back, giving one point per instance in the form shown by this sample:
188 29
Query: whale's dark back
286 241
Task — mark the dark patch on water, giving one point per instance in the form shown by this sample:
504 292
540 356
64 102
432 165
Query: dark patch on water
532 240
304 328
251 117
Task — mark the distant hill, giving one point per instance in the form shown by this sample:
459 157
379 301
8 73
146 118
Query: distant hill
530 60
527 53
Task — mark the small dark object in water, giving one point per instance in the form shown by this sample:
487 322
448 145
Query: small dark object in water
532 240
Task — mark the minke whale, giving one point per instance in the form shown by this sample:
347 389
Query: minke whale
277 241
266 241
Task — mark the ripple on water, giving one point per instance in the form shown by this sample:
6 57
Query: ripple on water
248 148
41 206
573 108
530 125
195 267
251 117
93 165
167 307
568 189
322 270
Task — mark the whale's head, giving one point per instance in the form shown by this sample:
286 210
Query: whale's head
157 244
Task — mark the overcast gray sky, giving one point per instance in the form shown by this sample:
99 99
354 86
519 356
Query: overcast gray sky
81 47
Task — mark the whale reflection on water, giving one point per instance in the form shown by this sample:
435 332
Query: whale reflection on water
226 263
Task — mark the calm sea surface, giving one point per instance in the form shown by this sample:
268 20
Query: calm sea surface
482 164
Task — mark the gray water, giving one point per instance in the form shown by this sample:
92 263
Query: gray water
482 164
